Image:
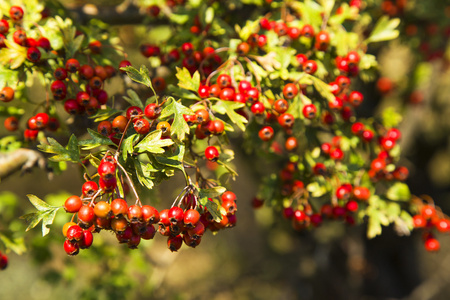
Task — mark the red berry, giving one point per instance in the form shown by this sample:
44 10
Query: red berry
33 54
266 133
174 243
428 211
152 111
134 213
257 108
73 204
20 37
286 120
351 206
16 13
44 43
224 80
191 218
7 94
309 111
419 221
71 248
322 41
252 94
310 67
95 47
361 193
87 239
42 120
355 98
432 244
150 214
74 233
4 26
290 90
307 31
142 126
119 207
106 170
11 123
86 215
176 215
211 153
102 209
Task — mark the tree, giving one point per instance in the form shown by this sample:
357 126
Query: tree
284 79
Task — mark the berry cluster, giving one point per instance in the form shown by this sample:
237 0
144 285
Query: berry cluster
185 222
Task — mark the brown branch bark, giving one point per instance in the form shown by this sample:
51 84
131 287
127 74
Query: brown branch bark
20 159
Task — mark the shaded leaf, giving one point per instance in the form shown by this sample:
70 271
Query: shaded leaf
229 107
134 99
212 207
385 29
212 192
179 126
153 143
97 140
186 81
72 153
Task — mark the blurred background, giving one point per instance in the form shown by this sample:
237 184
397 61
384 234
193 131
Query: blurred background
263 257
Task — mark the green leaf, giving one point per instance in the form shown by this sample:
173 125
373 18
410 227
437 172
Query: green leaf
173 158
153 143
373 226
127 145
229 107
322 88
179 126
46 213
316 189
399 192
327 6
104 114
391 118
385 30
209 15
143 173
178 92
96 141
134 99
249 28
186 81
212 192
15 244
212 207
13 55
72 153
141 76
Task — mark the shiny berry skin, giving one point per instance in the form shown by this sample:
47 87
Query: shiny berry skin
224 80
152 111
176 215
228 196
227 94
229 206
73 204
343 81
367 135
11 123
71 248
307 31
119 207
244 86
387 143
72 65
310 67
191 218
96 82
174 243
428 211
104 128
72 107
281 106
280 28
31 124
164 126
401 173
203 91
119 225
361 193
286 120
293 32
211 153
419 221
299 215
33 54
30 134
142 126
150 214
86 215
20 37
59 89
378 164
89 188
16 13
7 94
119 124
66 227
83 98
74 233
102 209
87 239
432 245
309 111
394 134
134 213
107 185
218 127
86 72
322 41
149 232
336 154
258 108
4 26
355 98
266 133
353 57
290 90
187 49
357 128
291 143
44 43
243 48
106 170
42 120
252 94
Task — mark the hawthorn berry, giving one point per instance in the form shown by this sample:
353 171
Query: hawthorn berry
211 153
134 213
266 133
291 143
71 248
286 120
258 108
243 48
86 215
11 123
4 26
309 111
142 126
33 54
174 243
290 90
7 94
72 65
119 124
16 13
73 204
252 94
74 233
102 209
87 240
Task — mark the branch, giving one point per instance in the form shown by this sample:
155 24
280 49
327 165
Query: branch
20 159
